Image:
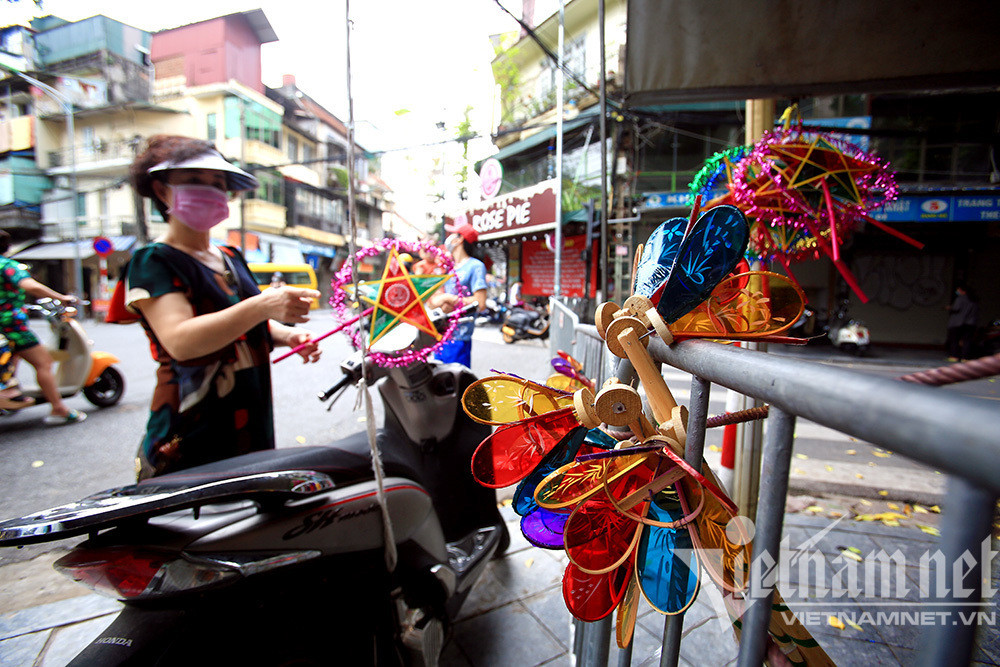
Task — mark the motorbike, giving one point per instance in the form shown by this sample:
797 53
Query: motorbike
78 366
847 334
525 321
280 557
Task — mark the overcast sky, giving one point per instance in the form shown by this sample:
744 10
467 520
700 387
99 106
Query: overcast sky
414 63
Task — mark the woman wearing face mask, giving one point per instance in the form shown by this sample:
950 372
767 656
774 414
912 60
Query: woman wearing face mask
210 328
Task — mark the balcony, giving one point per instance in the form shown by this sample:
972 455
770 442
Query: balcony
100 158
264 216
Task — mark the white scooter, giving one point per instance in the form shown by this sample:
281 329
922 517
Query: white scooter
78 366
848 334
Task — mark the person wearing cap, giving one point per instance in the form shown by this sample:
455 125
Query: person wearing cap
210 328
471 274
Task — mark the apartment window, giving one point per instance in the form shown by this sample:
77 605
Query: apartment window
574 52
292 149
211 122
307 153
271 188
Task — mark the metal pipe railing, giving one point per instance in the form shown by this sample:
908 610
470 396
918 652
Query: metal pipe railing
944 430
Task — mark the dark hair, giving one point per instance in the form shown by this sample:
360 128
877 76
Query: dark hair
163 148
4 242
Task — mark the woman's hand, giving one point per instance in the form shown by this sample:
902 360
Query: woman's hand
295 337
444 301
288 304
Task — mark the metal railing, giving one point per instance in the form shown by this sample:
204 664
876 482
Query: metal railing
954 434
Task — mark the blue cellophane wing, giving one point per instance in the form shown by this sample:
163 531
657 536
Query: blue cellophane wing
709 252
658 254
666 564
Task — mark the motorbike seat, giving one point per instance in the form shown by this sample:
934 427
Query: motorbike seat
347 461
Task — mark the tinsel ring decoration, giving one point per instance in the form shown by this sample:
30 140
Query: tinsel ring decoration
807 192
340 299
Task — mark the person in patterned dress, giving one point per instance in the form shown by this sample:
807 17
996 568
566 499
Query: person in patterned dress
210 328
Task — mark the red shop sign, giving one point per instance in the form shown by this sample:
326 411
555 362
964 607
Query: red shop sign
524 211
538 268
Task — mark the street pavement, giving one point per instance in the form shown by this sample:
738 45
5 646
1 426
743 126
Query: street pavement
848 499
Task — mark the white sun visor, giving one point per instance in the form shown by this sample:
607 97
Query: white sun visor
237 180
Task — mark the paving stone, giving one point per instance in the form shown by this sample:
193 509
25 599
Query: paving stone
23 649
55 614
550 610
509 635
517 576
68 641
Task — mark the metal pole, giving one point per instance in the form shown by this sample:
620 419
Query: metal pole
770 518
951 640
560 76
67 107
243 165
603 273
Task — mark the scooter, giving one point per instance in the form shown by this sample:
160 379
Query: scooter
78 365
279 557
847 334
525 321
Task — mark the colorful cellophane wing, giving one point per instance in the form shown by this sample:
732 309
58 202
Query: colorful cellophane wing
628 611
503 399
544 528
591 597
792 638
564 382
577 481
666 562
580 441
709 252
658 255
511 452
758 303
599 538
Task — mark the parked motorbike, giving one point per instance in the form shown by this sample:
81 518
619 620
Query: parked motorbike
78 366
847 334
494 313
279 557
525 321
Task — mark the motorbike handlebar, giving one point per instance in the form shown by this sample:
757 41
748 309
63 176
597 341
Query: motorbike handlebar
343 382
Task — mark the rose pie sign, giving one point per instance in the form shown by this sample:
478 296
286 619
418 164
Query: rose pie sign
524 211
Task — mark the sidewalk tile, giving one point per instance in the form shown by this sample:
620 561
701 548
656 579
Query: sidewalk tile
514 577
23 649
55 614
68 641
550 610
509 635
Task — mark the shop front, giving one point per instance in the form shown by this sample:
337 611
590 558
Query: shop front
522 226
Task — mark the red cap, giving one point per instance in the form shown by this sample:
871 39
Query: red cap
466 231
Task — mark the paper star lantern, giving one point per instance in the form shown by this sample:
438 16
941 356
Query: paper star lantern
400 298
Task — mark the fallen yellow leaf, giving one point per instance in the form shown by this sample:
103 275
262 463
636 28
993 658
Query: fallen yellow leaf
852 556
892 506
835 515
859 475
714 448
920 510
892 523
529 562
883 493
852 452
814 509
935 509
854 625
930 530
882 455
799 471
37 464
300 439
835 622
872 464
866 503
854 550
801 456
907 510
829 468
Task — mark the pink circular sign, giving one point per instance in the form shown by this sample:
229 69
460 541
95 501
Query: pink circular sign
491 177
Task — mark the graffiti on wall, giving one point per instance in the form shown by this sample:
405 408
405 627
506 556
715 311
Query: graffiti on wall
904 281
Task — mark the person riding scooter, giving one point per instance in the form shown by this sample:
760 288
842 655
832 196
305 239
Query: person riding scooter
16 284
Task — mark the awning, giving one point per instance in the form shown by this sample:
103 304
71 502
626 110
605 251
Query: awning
62 250
544 135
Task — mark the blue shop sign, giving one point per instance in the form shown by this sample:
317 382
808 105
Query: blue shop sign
950 208
684 199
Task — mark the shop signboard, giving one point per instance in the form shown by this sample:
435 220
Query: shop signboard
947 208
525 211
538 268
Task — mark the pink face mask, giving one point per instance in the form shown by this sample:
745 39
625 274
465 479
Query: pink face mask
200 207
